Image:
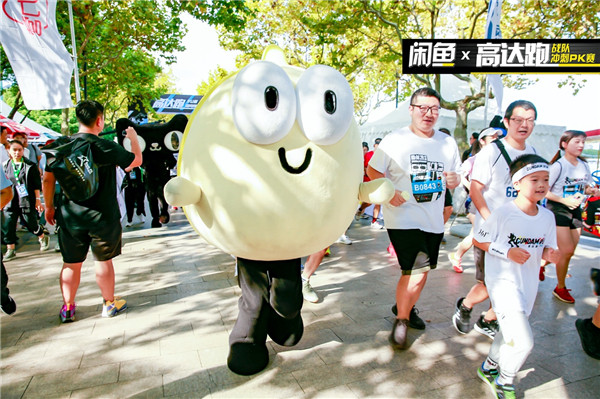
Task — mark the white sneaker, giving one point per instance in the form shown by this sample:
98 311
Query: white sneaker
142 218
377 225
344 240
308 292
128 224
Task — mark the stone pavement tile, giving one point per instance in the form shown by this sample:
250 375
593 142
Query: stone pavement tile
178 343
360 332
454 370
271 383
13 388
317 378
61 381
53 361
215 356
458 347
573 367
532 378
407 383
340 391
290 360
587 388
150 387
187 382
221 376
159 365
472 388
129 350
13 355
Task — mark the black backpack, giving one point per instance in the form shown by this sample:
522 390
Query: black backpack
71 161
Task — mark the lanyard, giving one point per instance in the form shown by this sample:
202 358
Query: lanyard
17 169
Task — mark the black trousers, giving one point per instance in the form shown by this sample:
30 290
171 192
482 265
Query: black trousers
270 303
134 198
9 224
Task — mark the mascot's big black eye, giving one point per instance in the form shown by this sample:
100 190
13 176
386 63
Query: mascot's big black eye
325 104
263 102
330 100
173 140
271 98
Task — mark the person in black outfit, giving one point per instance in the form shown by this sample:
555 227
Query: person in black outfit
94 222
135 193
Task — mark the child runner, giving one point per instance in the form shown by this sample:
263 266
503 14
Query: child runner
515 238
570 181
26 202
491 188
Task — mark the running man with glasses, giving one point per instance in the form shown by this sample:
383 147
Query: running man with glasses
421 162
491 187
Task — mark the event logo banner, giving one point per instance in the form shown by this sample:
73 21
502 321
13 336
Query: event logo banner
176 103
39 59
500 56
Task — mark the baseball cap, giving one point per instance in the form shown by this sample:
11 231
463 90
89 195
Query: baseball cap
490 131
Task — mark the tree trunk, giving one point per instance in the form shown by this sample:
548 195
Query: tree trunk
64 124
460 130
18 104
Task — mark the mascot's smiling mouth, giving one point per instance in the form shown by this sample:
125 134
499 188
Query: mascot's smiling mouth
290 169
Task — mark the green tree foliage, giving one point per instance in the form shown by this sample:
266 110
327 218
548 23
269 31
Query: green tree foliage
362 39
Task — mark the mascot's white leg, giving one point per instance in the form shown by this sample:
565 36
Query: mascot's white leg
270 304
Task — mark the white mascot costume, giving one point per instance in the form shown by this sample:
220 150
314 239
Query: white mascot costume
267 156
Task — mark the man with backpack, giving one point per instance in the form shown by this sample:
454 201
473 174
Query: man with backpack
94 221
491 187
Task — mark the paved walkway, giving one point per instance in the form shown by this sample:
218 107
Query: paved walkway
182 296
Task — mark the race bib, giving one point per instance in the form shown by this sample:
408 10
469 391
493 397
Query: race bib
132 174
22 190
426 178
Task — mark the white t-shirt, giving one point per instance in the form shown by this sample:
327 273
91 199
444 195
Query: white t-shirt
3 154
415 164
567 180
492 170
513 287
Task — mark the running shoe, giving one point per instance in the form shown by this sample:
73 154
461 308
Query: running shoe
377 225
461 319
488 376
111 308
504 391
487 328
45 243
562 294
590 337
10 254
414 321
67 313
308 292
456 262
9 306
344 240
398 337
542 273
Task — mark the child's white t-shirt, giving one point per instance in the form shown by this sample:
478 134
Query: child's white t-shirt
491 170
567 180
513 287
415 165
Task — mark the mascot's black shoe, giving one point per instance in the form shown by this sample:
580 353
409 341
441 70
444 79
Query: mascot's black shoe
155 223
285 332
247 359
595 276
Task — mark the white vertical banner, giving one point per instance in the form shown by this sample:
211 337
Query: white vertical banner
492 31
39 59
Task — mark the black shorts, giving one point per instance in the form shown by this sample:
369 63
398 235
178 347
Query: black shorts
448 199
417 250
564 216
104 238
479 257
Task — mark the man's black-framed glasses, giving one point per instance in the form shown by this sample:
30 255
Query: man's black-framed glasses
435 109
